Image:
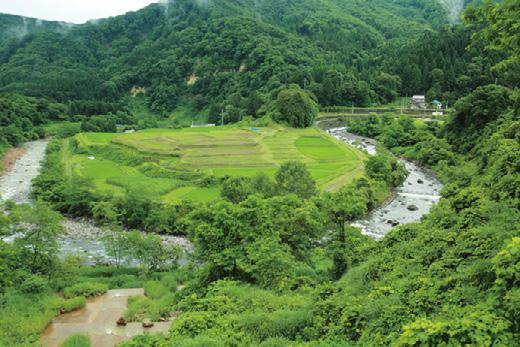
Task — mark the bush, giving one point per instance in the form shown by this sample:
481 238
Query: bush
86 289
69 305
282 323
124 281
171 281
77 341
155 290
162 307
34 285
138 308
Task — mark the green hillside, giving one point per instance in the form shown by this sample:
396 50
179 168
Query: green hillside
214 53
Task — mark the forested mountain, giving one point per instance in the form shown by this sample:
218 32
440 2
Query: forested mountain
18 27
275 260
221 53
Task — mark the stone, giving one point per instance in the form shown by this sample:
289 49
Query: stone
121 322
420 181
395 223
147 323
412 208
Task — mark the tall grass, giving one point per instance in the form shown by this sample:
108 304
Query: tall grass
77 341
23 317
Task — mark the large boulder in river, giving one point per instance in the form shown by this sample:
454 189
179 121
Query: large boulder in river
412 208
392 222
147 323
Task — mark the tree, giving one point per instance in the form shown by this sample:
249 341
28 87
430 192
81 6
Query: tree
385 168
150 251
296 107
116 245
237 189
258 240
39 228
341 207
294 178
264 185
387 86
498 25
473 112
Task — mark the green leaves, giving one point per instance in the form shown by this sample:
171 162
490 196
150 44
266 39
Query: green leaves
258 240
296 107
293 178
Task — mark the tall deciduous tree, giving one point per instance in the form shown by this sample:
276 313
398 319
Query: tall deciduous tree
296 107
38 230
294 178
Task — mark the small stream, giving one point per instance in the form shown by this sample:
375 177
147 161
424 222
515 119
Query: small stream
81 237
412 199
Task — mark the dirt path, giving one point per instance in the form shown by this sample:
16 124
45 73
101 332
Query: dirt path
98 321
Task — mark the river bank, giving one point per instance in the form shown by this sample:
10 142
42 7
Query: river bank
411 200
81 236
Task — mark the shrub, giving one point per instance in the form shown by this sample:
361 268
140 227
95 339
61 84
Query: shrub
162 307
69 305
77 341
155 290
86 289
125 281
282 323
192 324
34 285
171 282
138 308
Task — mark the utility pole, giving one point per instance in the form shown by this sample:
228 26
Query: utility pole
352 108
222 117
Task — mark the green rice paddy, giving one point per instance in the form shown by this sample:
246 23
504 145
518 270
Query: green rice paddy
187 164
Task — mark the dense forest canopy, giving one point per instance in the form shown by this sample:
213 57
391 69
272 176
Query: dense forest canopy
218 51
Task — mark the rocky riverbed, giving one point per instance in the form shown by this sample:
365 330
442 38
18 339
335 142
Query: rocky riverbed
411 200
15 184
82 237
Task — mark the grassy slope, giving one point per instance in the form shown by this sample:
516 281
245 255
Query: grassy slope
207 151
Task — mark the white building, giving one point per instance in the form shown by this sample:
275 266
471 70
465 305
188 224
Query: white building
418 101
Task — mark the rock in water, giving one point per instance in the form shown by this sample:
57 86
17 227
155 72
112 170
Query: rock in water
420 181
412 208
147 323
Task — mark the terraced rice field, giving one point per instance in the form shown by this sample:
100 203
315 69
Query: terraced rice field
174 165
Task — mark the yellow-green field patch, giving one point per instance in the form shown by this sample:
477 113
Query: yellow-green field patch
172 165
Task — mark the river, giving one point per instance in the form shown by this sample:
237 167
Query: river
411 200
420 190
81 236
